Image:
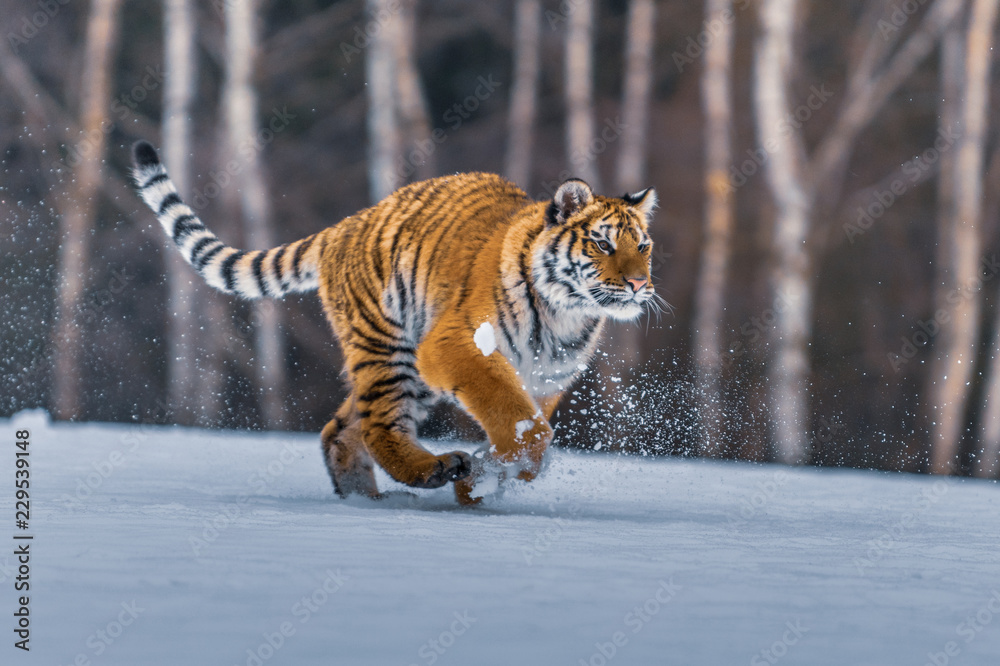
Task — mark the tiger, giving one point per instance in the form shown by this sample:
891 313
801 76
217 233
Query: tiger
460 287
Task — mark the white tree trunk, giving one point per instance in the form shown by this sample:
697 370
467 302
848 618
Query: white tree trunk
788 373
636 96
958 339
952 78
182 329
579 83
79 208
240 100
412 102
383 126
524 93
716 95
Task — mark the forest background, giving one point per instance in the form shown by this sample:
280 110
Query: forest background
828 175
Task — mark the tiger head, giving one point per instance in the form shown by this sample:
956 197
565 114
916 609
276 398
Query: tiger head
597 251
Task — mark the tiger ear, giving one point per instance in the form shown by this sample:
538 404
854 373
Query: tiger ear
644 201
569 199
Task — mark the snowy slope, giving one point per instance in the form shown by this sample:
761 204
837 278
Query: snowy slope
195 547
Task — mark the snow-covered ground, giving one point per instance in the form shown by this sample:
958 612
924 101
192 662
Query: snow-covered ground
161 545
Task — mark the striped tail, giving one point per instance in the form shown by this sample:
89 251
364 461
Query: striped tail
250 274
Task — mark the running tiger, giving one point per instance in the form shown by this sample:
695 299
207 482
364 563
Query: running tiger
456 287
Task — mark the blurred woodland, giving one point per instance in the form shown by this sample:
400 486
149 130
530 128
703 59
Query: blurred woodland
828 174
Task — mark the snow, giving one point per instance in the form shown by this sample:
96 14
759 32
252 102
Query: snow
166 545
522 427
485 338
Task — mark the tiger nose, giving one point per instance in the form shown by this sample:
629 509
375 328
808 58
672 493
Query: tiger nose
637 283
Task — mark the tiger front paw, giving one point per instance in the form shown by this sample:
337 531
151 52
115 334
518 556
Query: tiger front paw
447 467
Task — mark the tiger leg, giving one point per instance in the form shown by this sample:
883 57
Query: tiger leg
347 460
489 388
390 403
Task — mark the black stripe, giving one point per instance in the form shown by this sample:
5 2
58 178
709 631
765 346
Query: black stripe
507 336
372 396
370 350
374 301
184 225
550 273
158 178
551 214
171 199
227 269
276 263
207 257
380 345
376 304
536 325
508 304
431 205
392 380
412 287
372 340
201 245
468 213
393 250
300 252
376 250
384 414
460 213
387 364
401 290
395 423
363 311
557 239
258 272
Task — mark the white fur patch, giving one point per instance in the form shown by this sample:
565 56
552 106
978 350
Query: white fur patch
485 338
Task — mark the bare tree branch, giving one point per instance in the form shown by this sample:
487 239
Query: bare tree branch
867 92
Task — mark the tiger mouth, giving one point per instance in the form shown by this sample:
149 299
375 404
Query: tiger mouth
616 296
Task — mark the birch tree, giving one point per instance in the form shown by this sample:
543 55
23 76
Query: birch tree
80 206
798 183
524 93
383 126
241 103
791 270
636 96
952 373
179 82
579 68
411 101
716 100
